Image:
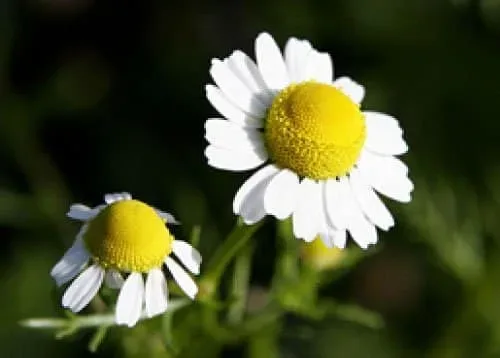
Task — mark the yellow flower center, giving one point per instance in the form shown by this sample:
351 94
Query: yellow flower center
128 235
314 130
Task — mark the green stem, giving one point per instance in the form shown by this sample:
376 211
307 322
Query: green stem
93 320
240 284
287 267
97 338
236 240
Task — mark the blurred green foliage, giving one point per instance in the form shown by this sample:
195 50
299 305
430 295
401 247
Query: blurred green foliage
98 97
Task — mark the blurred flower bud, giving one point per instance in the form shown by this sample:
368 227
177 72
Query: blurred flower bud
319 256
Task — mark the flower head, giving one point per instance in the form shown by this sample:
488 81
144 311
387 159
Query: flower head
326 157
125 236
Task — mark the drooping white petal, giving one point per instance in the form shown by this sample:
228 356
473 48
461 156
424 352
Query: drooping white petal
81 212
71 264
235 90
185 282
188 255
249 200
270 62
361 230
334 238
326 229
319 67
130 300
281 194
370 203
229 110
83 289
387 175
233 160
169 218
296 55
306 224
113 197
326 238
353 90
156 293
333 199
113 279
228 135
340 239
383 134
249 74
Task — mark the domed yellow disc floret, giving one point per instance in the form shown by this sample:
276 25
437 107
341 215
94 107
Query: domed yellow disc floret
128 235
314 130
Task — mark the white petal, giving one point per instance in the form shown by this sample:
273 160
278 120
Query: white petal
334 203
249 200
156 294
233 160
185 282
334 238
306 220
229 110
296 55
228 135
281 194
291 48
270 62
188 255
345 213
373 161
113 279
387 175
71 264
387 122
361 230
353 90
83 289
249 74
327 240
327 231
81 212
169 218
319 67
235 90
330 235
130 300
340 238
384 135
370 203
113 197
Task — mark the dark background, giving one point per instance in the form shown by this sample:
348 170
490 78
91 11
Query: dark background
98 97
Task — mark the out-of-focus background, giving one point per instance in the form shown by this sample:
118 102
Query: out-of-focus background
98 97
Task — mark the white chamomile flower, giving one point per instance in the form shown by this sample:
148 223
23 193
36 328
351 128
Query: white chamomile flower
125 235
325 157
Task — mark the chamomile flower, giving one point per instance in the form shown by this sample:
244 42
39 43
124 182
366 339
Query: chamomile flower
326 158
125 236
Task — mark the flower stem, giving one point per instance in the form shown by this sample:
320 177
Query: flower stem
73 323
241 281
235 241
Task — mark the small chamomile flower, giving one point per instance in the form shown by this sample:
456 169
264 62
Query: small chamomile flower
326 158
125 236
